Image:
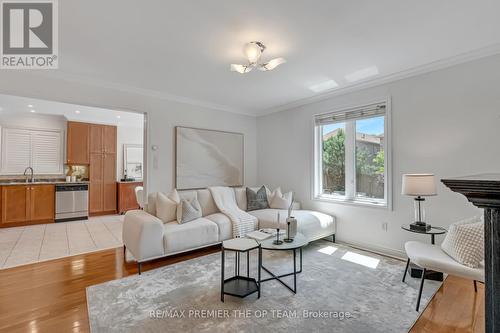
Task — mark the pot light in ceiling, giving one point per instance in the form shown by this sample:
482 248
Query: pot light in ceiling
30 105
326 85
32 111
362 74
253 52
118 117
77 111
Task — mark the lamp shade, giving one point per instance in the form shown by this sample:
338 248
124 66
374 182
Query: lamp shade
419 185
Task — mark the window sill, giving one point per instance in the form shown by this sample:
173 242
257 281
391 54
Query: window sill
351 202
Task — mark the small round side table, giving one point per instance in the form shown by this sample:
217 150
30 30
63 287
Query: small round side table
433 231
415 271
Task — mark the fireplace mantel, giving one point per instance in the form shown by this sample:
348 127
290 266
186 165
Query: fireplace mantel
483 191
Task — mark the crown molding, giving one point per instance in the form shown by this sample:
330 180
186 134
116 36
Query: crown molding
377 81
415 71
60 75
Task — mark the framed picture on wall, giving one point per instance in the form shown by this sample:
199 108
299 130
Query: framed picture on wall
208 158
133 161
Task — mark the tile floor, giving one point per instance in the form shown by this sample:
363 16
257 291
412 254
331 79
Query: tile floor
30 244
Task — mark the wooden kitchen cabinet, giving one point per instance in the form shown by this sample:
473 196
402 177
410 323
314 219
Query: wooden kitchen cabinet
126 196
42 202
102 175
27 204
78 143
15 205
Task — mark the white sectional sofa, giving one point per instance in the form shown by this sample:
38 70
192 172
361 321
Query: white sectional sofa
147 237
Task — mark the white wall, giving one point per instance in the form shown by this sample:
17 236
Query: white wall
163 116
24 119
445 122
126 135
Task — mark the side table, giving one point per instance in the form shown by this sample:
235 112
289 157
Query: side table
238 285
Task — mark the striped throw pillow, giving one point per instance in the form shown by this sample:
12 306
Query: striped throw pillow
188 210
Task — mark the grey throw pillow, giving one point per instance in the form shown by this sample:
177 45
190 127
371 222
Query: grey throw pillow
257 200
188 210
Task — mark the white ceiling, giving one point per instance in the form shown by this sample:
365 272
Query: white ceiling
182 49
17 106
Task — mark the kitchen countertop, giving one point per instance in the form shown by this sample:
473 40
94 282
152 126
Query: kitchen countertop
38 182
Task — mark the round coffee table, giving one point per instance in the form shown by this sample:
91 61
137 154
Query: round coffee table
299 241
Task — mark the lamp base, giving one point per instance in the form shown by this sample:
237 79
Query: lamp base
420 226
288 240
277 242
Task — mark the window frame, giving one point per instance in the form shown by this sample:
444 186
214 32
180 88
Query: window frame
350 191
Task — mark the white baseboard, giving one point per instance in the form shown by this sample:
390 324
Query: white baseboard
385 251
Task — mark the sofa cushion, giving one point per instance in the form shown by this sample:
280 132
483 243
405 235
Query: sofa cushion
188 210
433 257
313 225
280 200
224 224
166 206
207 202
241 197
182 237
257 199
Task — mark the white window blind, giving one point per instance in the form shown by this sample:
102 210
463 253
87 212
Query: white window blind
16 150
367 111
40 149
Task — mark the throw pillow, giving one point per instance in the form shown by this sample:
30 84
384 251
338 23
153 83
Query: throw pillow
241 197
257 200
166 206
188 210
280 200
465 242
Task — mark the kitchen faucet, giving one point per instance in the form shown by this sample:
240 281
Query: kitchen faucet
31 179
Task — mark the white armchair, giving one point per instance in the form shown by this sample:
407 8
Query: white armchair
432 257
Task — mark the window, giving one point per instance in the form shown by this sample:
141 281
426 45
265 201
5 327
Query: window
350 160
40 149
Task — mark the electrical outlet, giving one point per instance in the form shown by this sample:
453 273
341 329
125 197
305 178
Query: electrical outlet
385 226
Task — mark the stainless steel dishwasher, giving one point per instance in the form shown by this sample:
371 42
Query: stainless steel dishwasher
72 202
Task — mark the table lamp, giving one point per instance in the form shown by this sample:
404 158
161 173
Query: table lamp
419 186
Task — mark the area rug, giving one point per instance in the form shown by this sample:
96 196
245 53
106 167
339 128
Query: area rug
340 290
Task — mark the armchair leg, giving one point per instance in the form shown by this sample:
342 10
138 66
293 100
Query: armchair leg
406 269
475 286
421 288
333 238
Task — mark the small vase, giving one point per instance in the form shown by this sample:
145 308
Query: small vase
291 227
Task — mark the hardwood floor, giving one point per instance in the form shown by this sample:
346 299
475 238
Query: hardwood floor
50 296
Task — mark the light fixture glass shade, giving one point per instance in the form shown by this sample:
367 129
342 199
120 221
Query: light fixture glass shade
419 185
272 64
240 68
253 52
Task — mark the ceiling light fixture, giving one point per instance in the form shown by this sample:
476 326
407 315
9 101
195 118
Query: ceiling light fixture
118 117
253 51
32 111
30 106
325 85
77 111
362 74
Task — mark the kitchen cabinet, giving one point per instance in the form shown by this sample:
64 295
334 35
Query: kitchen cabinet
27 204
102 174
78 143
126 196
42 203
